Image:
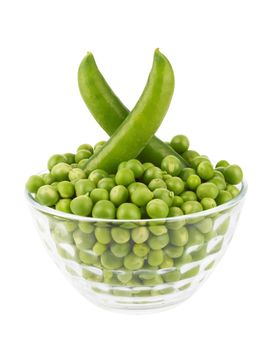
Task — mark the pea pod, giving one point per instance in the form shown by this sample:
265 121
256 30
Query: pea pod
110 112
137 129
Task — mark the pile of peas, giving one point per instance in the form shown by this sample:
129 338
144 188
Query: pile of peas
136 191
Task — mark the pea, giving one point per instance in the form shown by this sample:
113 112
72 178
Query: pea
86 227
81 205
124 177
155 257
179 237
223 227
55 159
82 154
106 183
140 234
191 272
157 280
120 235
222 163
175 184
165 195
88 257
218 174
193 181
195 237
173 251
180 143
158 230
141 250
66 189
197 160
141 196
158 242
84 186
172 276
133 262
34 183
136 185
85 146
188 196
189 155
47 195
191 207
104 209
199 254
156 183
184 259
99 145
207 190
209 235
177 201
175 211
60 171
48 179
98 194
157 208
97 174
63 205
76 174
136 167
110 262
147 165
172 165
204 226
186 172
208 203
151 173
128 211
84 240
103 235
125 277
122 165
233 174
82 164
167 262
120 250
118 195
205 170
233 190
223 197
219 182
69 158
99 248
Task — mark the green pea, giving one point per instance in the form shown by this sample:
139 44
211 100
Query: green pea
167 262
48 179
118 195
222 163
157 280
189 155
136 185
209 235
155 257
207 190
175 211
34 183
208 203
205 170
157 208
147 165
177 201
128 211
223 227
82 154
233 174
124 177
97 174
172 276
91 276
191 272
195 236
120 235
55 159
120 250
86 227
151 173
172 165
156 183
125 277
175 184
204 226
179 237
180 143
104 209
69 158
183 260
66 189
60 171
158 230
61 235
141 250
84 240
199 254
106 183
84 186
47 195
158 242
110 261
173 251
99 248
136 167
98 194
82 164
85 146
103 235
122 165
99 145
186 172
133 262
81 205
223 197
140 234
193 181
88 257
141 196
76 174
191 207
166 176
165 195
233 190
64 205
188 196
197 160
219 182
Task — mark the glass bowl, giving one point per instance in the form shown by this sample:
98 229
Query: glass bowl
184 250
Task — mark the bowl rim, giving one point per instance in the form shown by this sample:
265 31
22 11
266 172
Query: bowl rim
68 216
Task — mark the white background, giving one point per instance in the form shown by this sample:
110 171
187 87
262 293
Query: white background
219 51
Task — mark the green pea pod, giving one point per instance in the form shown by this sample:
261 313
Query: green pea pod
110 112
137 129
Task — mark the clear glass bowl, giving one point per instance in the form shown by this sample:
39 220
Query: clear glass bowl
191 244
